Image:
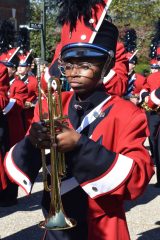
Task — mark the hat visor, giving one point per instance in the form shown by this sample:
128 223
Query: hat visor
155 67
23 65
83 50
8 64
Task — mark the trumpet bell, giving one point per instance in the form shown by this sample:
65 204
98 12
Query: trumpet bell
58 222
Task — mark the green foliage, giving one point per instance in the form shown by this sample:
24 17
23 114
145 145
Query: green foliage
142 67
52 33
140 15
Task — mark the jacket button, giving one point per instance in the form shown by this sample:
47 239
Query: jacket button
96 114
24 181
94 189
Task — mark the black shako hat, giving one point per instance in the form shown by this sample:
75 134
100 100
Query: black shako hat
85 32
103 45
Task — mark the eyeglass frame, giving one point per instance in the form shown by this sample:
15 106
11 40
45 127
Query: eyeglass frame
77 65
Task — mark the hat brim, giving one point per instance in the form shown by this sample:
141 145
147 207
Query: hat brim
83 50
8 64
23 65
155 66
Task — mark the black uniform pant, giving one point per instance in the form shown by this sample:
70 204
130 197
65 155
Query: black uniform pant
154 139
11 192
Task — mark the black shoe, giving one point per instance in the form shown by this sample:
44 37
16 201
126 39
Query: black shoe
8 203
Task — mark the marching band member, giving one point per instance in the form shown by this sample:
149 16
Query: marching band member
116 80
32 86
107 162
4 86
10 104
154 66
135 80
12 112
17 96
151 93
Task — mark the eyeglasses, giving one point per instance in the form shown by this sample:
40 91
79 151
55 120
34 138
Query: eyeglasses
82 66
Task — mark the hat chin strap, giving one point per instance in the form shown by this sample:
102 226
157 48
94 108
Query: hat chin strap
105 67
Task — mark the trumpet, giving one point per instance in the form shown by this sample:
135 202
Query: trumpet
57 219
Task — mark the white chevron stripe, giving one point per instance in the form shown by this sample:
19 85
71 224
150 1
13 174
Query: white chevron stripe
16 174
111 180
140 94
100 21
109 76
90 117
9 106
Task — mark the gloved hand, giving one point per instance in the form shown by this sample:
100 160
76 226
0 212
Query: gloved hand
65 139
39 135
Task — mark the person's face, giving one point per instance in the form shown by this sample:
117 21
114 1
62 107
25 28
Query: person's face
153 70
11 71
22 70
83 76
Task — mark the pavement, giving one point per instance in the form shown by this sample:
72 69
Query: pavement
20 222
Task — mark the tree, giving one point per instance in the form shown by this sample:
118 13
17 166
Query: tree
140 15
52 30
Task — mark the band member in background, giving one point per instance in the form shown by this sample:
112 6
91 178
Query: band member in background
32 86
135 80
4 87
105 156
152 111
154 103
15 95
154 66
14 131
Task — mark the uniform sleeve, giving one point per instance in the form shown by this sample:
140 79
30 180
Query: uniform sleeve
125 171
145 91
116 81
32 89
4 86
154 99
23 161
22 164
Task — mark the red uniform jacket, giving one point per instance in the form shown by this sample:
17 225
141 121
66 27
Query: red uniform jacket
32 85
17 96
4 86
110 162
